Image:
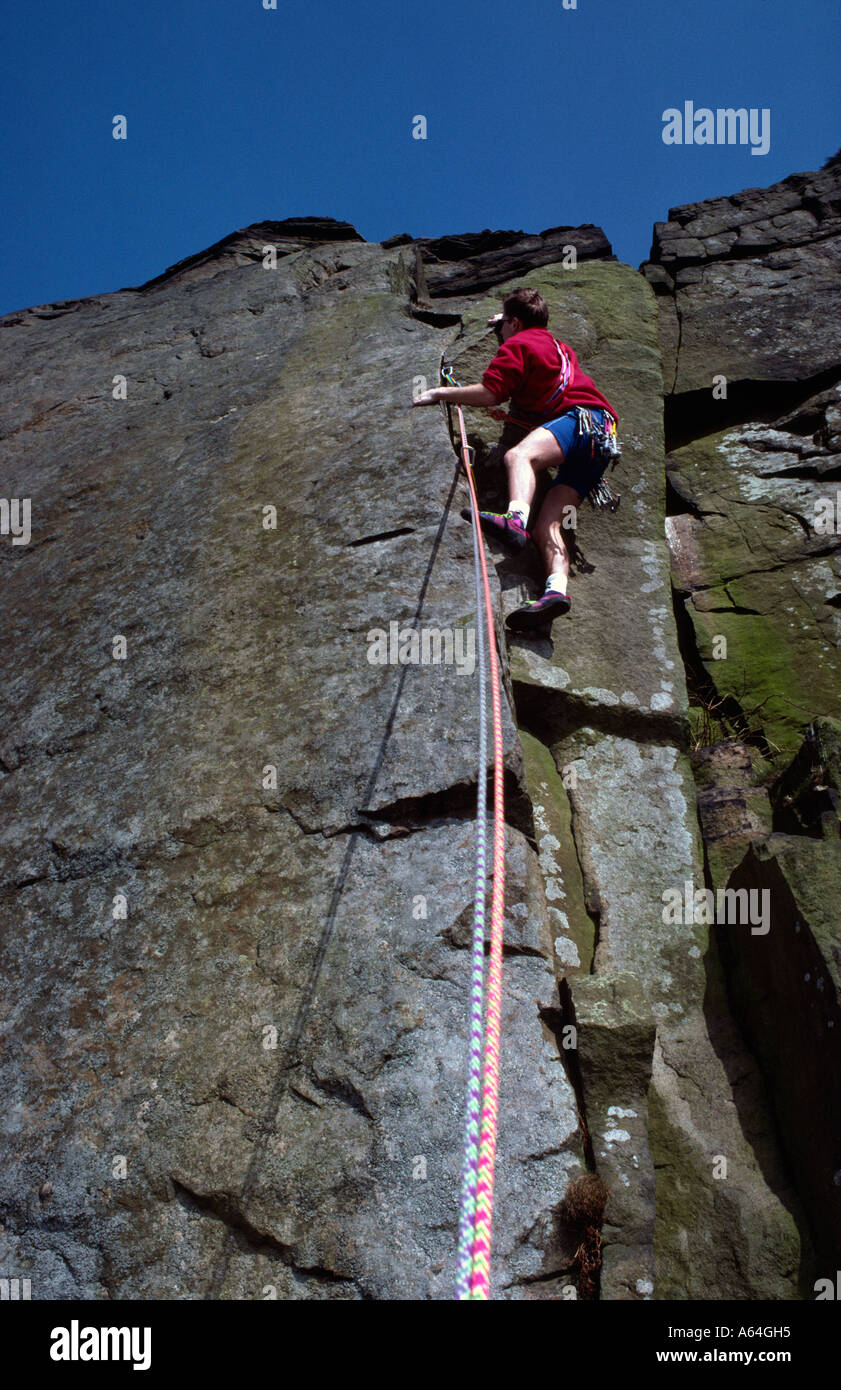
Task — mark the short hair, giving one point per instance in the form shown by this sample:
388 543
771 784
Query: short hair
528 306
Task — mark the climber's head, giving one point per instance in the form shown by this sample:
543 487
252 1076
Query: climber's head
522 308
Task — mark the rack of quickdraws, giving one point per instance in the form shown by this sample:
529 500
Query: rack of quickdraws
606 440
603 496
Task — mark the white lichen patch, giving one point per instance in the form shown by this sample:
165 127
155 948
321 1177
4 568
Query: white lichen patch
652 563
600 696
566 952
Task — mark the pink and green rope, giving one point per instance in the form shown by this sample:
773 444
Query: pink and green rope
481 1109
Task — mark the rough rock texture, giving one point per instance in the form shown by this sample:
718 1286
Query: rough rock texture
753 569
807 798
254 1080
784 955
787 985
238 863
749 284
606 700
749 293
474 261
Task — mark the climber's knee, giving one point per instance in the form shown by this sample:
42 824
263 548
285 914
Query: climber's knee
540 449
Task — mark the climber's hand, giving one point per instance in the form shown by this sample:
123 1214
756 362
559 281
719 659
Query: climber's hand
427 397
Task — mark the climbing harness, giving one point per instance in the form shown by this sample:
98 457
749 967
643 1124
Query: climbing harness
480 1120
604 439
604 444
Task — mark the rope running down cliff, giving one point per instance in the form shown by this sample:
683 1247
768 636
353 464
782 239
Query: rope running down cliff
480 1131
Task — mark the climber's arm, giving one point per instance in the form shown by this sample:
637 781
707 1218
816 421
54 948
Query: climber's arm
477 394
504 373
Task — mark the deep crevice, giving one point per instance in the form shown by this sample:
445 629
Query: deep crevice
550 1276
381 536
679 503
436 318
701 688
735 608
342 1089
220 1206
690 415
553 715
556 1020
810 472
456 802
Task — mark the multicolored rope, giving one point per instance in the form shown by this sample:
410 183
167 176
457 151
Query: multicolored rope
478 1166
472 1112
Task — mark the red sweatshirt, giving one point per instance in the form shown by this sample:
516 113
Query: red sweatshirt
542 377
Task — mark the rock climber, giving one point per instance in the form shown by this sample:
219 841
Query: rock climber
557 417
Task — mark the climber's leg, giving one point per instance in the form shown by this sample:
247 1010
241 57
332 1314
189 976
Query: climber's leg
524 461
556 514
538 450
555 521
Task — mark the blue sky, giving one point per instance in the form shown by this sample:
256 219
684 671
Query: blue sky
536 115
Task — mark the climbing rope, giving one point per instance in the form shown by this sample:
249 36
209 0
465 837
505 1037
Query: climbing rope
470 1165
480 1125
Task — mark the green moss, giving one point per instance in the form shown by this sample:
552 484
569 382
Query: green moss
760 672
761 583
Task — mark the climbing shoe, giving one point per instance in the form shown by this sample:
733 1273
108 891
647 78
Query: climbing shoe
539 613
504 527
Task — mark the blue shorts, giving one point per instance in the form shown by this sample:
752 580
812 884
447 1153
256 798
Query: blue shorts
583 462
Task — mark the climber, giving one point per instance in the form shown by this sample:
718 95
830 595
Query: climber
557 417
